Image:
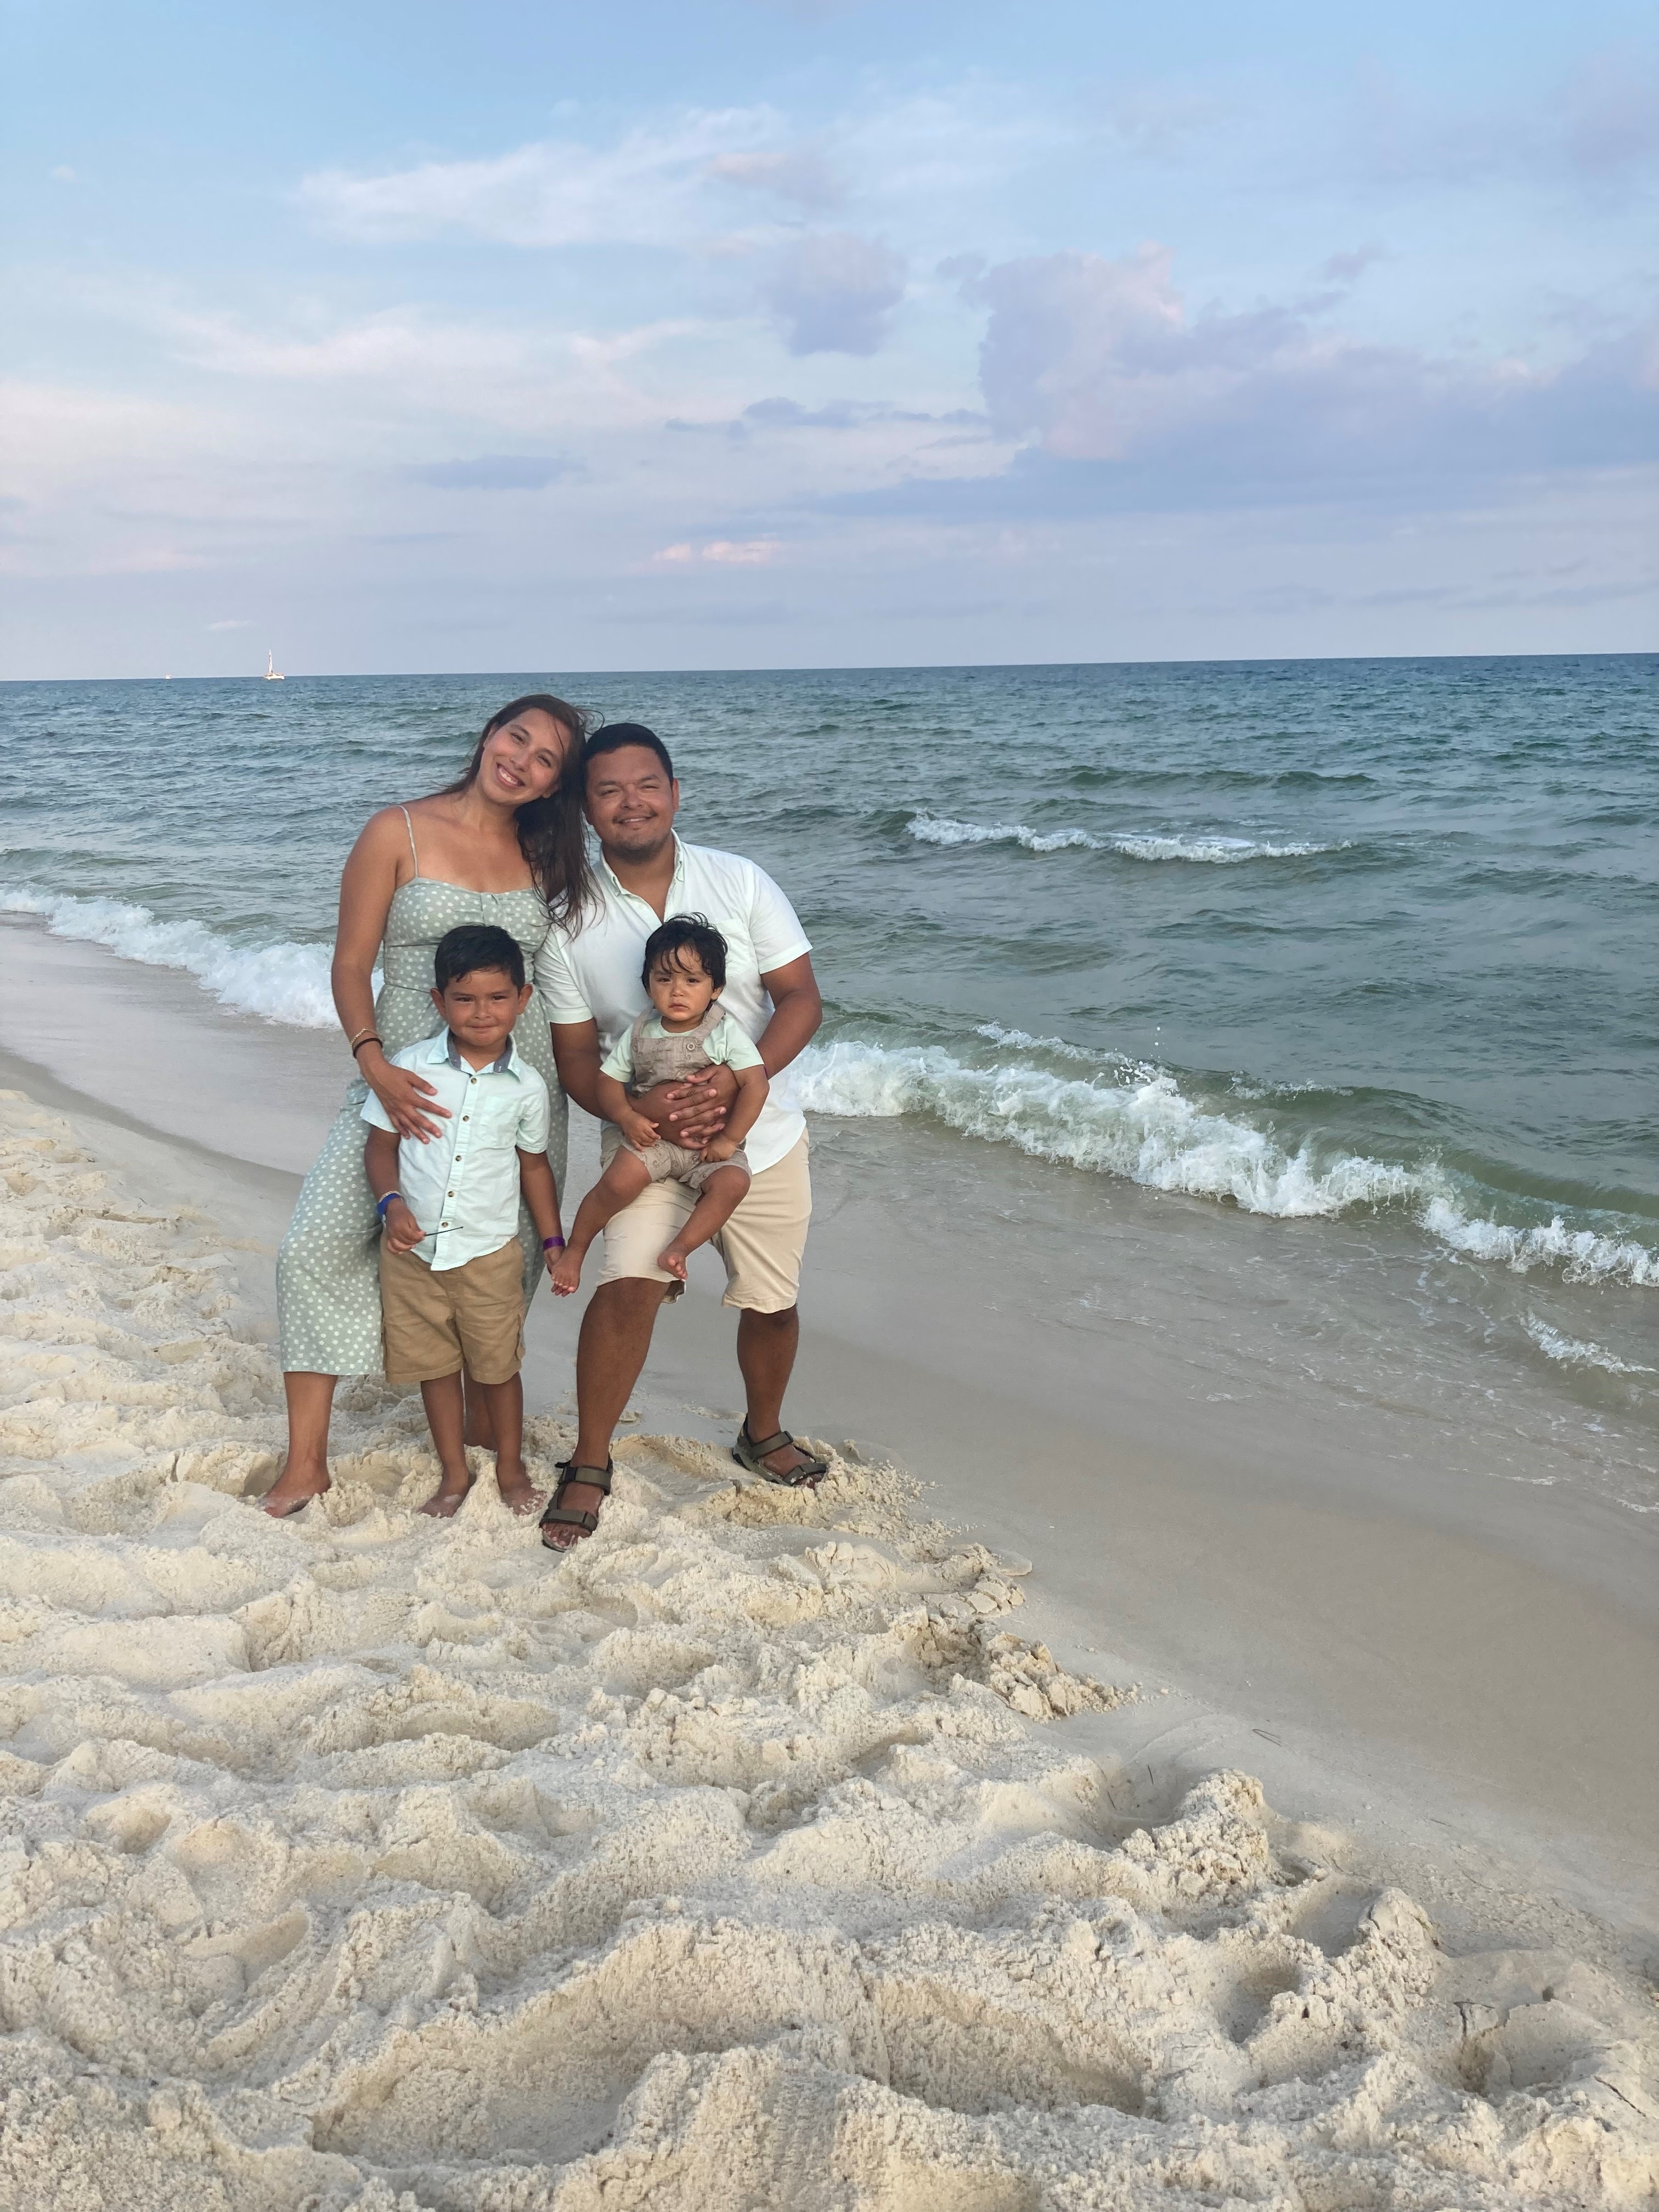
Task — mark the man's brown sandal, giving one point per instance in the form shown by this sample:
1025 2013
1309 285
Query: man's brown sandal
754 1456
557 1516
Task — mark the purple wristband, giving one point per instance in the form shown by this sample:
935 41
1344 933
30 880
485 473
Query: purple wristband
548 1243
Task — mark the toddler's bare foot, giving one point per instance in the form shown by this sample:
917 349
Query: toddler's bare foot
516 1489
672 1261
565 1273
447 1499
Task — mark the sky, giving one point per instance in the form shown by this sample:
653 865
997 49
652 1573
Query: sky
771 333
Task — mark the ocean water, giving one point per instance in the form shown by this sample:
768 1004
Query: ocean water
1365 943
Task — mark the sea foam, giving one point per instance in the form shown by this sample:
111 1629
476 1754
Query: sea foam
1134 1120
1129 1119
1569 1351
1216 850
1139 1125
281 982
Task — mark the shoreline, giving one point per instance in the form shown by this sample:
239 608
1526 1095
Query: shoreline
1414 1656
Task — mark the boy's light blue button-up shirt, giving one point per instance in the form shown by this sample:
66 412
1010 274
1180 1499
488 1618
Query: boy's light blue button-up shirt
462 1187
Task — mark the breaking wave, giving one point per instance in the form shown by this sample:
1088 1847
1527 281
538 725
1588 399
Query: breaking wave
1218 851
1132 1120
281 982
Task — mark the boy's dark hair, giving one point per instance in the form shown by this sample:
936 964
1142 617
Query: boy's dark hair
476 944
615 735
696 934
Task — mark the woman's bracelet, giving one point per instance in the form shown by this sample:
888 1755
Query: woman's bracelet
357 1036
361 1042
552 1243
386 1202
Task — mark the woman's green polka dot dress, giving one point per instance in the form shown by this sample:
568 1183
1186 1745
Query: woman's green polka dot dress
328 1272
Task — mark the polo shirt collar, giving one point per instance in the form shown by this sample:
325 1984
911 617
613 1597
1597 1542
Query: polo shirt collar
446 1051
622 890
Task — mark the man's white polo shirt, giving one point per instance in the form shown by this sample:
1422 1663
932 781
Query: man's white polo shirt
592 974
463 1188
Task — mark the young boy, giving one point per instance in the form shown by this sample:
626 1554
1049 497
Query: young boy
451 1271
684 973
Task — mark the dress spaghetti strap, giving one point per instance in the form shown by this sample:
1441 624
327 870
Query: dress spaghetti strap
410 826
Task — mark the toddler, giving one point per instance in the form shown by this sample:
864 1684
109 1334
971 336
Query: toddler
685 1029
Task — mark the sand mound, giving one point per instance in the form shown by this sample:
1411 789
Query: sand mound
368 1861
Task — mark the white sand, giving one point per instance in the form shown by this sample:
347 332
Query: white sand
369 1861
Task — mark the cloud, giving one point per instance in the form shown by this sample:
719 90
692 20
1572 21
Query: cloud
1099 360
1598 128
1609 116
1154 123
394 344
721 552
1345 268
495 472
648 189
803 176
847 415
230 625
834 293
1119 398
63 174
779 414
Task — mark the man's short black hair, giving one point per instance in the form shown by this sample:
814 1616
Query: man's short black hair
695 933
615 735
476 944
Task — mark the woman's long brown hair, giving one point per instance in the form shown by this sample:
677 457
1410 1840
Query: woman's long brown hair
551 833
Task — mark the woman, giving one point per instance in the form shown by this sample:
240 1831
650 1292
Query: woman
503 844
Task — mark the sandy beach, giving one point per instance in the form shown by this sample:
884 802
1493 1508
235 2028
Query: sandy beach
1289 1841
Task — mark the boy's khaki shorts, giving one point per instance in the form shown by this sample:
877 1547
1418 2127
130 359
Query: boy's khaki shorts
435 1321
762 1244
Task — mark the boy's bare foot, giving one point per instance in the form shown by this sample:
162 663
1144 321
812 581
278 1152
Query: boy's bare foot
446 1500
566 1272
671 1260
517 1492
293 1489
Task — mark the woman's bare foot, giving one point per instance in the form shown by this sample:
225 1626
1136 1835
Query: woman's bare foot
293 1489
672 1258
517 1492
446 1500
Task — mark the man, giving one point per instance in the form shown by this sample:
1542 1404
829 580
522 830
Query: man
589 977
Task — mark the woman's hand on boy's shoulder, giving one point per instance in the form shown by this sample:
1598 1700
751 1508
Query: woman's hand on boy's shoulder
408 1099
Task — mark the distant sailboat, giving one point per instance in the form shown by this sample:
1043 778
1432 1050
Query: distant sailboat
273 674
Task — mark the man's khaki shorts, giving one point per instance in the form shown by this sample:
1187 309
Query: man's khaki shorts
762 1244
435 1321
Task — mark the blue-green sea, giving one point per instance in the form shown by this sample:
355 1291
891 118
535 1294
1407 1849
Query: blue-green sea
1364 941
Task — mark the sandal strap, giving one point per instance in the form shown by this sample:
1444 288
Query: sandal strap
568 1516
598 1477
765 1450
